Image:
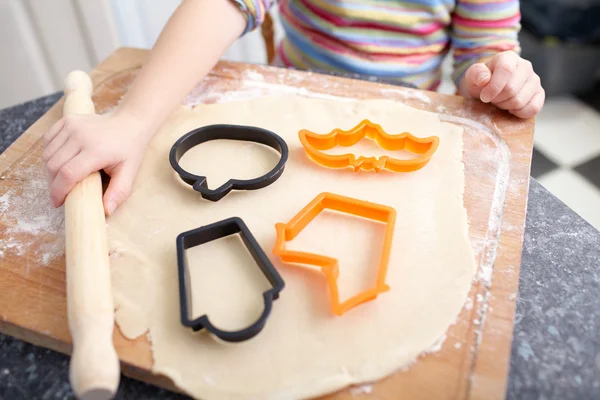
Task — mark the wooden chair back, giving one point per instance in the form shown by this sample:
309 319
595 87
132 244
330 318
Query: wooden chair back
268 34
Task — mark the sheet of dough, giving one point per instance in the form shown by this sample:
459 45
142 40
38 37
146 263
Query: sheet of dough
304 350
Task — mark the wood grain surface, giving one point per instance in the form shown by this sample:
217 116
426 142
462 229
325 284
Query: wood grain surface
473 360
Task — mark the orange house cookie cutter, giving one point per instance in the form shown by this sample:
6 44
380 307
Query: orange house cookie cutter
314 144
329 266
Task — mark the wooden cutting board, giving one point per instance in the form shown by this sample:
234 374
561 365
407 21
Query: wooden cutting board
472 362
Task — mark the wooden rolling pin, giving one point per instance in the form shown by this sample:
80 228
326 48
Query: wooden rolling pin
94 370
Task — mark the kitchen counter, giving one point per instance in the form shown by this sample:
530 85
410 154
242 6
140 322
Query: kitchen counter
556 347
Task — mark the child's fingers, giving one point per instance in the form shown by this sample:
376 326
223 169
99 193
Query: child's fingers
515 85
523 97
119 187
477 76
61 157
533 107
54 130
73 171
55 144
503 66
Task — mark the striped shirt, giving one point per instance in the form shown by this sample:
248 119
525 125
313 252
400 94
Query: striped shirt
395 39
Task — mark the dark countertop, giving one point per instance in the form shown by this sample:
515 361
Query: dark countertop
556 347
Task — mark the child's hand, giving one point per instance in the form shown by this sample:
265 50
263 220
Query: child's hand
507 81
79 145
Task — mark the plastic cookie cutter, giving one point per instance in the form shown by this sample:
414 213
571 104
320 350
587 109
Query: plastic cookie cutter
314 144
232 132
196 237
328 265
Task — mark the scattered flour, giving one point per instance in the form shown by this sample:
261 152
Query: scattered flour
31 226
360 390
468 304
11 245
4 203
441 109
253 75
499 155
437 346
406 94
249 89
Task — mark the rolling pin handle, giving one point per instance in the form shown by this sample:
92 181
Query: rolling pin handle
94 370
78 94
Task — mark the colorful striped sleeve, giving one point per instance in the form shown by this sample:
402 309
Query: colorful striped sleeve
254 11
481 29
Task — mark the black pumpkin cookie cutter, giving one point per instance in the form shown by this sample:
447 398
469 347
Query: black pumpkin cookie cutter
232 132
208 233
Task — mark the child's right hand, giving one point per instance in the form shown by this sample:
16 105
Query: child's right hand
78 145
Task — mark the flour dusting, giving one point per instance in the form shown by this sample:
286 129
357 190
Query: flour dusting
11 245
31 226
437 346
406 94
360 390
500 155
4 203
250 89
253 75
468 304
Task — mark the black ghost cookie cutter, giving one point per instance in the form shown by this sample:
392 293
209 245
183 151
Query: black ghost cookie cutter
232 132
217 230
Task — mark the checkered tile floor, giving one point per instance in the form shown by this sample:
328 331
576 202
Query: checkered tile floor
566 158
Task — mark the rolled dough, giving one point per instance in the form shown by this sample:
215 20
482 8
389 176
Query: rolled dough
304 350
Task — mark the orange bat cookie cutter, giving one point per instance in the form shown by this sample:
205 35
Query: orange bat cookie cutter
329 266
314 144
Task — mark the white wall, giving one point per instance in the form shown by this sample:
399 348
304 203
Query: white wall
24 71
139 23
42 40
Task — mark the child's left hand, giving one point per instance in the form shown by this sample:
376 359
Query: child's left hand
507 81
